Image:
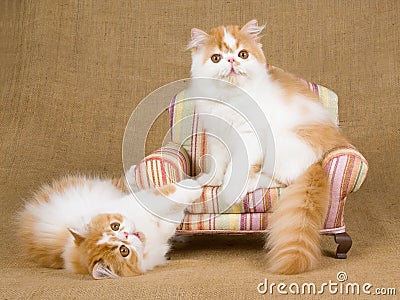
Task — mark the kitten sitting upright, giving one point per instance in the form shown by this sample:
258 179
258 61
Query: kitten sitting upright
91 226
302 133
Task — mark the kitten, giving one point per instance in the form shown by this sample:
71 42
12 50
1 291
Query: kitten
93 226
301 128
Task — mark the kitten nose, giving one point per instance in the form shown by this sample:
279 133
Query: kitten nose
231 60
126 234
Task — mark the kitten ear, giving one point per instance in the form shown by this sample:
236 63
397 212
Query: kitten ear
198 38
251 29
100 271
78 238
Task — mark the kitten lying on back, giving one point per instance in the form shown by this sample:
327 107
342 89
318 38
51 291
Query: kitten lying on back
91 226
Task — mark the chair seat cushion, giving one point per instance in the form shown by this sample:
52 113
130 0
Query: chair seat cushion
235 223
259 201
346 170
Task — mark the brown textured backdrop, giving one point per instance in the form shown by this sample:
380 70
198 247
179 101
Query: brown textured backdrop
71 72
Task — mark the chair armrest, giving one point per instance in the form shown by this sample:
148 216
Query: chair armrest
346 168
164 166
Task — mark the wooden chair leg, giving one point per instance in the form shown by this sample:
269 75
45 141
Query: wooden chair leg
344 244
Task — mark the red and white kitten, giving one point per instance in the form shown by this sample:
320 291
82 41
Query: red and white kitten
92 226
302 132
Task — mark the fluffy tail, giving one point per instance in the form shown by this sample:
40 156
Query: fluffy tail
294 238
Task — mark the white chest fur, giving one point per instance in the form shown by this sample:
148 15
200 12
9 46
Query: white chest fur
258 120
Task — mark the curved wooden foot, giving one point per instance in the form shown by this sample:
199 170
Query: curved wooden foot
344 244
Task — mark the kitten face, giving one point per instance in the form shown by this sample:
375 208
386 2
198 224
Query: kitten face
111 247
229 53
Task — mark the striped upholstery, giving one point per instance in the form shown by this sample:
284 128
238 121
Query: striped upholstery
165 165
346 169
222 222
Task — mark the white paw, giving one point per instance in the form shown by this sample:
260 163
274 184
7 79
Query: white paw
206 180
188 191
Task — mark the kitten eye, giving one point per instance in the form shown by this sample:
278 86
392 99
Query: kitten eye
124 250
215 58
114 226
244 54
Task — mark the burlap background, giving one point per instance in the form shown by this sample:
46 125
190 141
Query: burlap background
71 72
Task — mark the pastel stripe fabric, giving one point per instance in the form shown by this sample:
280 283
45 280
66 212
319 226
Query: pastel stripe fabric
164 166
233 223
185 130
346 169
225 222
261 200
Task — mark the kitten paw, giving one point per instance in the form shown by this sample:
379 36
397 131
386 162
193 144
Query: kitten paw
186 191
207 180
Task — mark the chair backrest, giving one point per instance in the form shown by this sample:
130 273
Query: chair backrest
184 122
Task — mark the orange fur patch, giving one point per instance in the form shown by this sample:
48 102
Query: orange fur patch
292 85
293 237
321 137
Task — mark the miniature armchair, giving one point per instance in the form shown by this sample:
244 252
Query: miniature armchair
345 167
